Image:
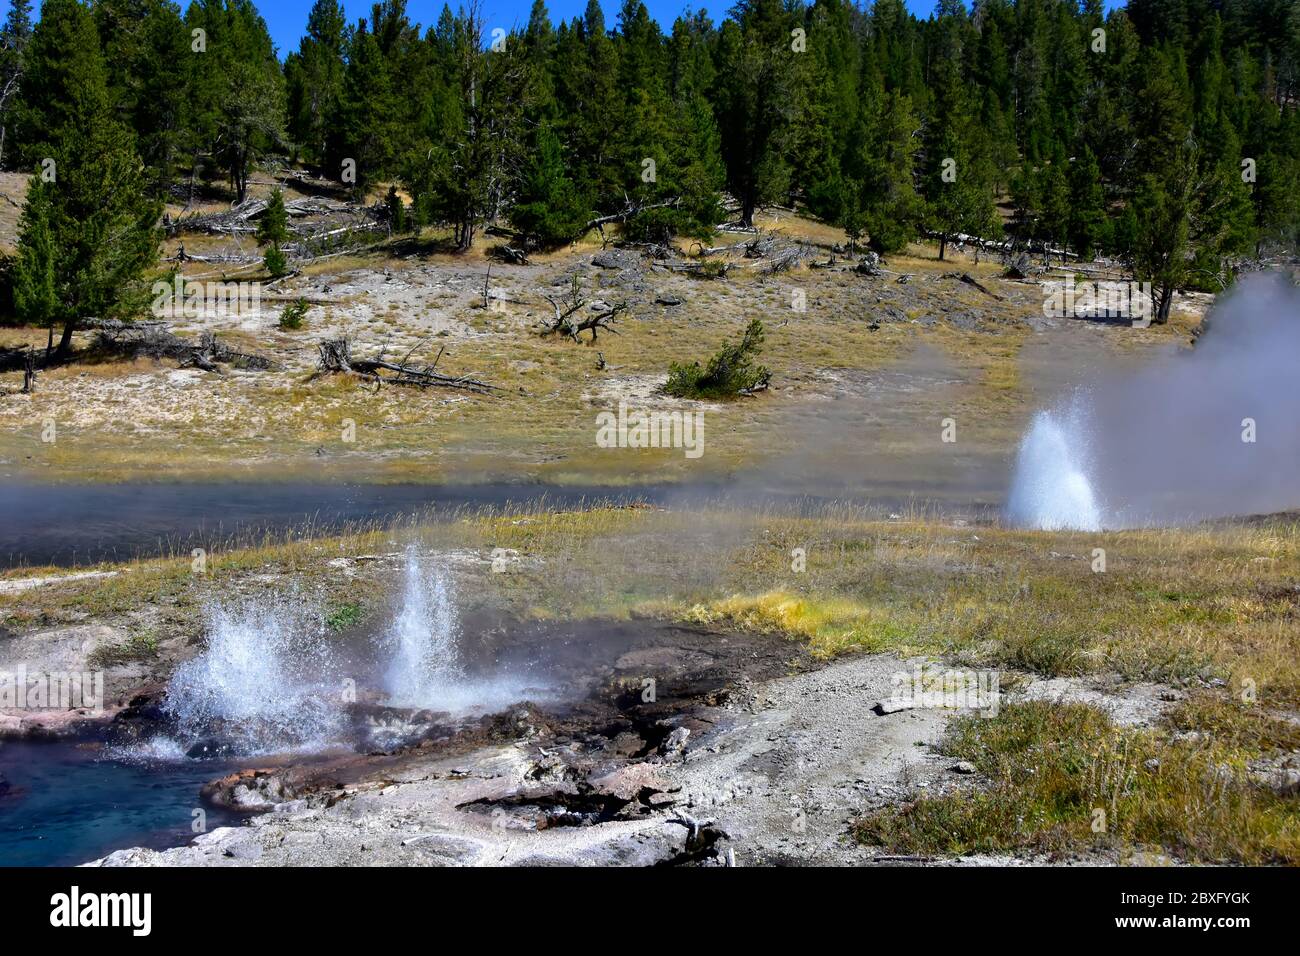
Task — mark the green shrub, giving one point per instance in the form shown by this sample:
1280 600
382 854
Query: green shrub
291 317
731 372
344 616
276 263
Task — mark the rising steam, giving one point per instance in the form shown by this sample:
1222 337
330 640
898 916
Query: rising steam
1207 433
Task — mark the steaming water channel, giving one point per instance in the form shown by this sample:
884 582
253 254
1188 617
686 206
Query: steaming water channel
84 524
69 525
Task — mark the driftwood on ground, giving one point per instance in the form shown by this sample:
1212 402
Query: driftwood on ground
970 280
336 357
153 340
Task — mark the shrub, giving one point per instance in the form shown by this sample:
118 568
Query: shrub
731 372
291 317
276 263
344 616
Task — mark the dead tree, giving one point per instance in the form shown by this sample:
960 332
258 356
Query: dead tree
567 324
152 340
336 357
629 210
518 257
29 372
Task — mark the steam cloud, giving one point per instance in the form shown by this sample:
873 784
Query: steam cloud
1168 444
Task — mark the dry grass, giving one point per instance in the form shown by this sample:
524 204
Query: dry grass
122 422
1190 607
1062 778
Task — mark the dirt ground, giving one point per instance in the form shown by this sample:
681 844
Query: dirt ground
745 769
864 366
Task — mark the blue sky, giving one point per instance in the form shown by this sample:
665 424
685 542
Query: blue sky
286 19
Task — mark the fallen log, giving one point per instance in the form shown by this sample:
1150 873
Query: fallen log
970 280
336 357
153 340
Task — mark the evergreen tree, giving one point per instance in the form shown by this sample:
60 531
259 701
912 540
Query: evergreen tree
756 78
273 232
891 209
549 210
88 221
35 284
1160 245
235 89
314 78
146 47
1085 222
15 33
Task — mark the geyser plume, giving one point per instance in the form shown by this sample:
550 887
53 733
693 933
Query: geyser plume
422 641
263 682
1051 490
1205 433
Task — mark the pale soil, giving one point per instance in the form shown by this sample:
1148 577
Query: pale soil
777 773
942 349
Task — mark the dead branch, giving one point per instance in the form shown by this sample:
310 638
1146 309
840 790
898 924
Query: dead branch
336 357
629 210
564 323
970 280
153 340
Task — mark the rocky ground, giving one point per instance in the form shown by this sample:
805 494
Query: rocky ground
745 769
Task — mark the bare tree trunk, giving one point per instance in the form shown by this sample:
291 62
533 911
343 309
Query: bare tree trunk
65 342
1166 300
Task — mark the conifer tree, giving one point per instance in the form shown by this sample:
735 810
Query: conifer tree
273 232
549 210
88 222
15 33
314 78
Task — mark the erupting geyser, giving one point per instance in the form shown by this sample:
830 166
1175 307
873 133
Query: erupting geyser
1051 490
264 681
269 680
1197 433
423 666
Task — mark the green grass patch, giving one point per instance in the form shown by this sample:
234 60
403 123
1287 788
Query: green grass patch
344 616
141 648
